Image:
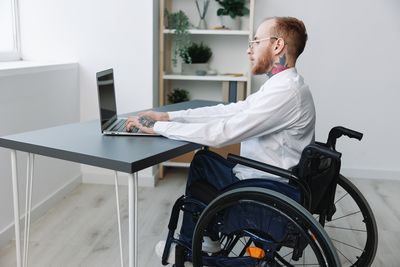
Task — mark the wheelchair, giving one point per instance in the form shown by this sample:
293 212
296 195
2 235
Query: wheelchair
312 215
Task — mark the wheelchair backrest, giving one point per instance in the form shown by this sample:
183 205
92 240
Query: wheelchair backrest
319 167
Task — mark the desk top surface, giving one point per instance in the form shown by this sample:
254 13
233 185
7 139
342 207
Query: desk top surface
84 143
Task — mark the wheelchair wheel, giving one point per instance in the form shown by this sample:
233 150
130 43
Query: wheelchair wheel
352 229
291 237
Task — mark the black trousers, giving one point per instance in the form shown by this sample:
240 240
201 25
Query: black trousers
209 173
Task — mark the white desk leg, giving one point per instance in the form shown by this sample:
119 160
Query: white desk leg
28 207
16 205
31 168
136 219
133 219
119 219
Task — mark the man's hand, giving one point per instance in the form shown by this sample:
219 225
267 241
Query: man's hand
156 116
138 122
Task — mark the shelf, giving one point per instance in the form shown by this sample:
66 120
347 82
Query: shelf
213 32
221 78
176 164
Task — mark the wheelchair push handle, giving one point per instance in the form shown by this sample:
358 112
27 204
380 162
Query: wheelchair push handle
338 131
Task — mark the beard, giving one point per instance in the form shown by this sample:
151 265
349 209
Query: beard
264 63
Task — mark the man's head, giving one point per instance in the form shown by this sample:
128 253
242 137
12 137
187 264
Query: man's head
277 44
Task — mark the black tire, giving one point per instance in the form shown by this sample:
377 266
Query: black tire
303 223
356 243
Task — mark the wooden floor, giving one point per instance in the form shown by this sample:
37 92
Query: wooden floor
82 229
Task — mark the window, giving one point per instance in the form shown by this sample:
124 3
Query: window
9 31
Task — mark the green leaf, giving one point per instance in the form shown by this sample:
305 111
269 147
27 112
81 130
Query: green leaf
178 95
196 53
181 38
233 8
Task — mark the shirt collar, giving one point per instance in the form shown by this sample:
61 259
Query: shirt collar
290 72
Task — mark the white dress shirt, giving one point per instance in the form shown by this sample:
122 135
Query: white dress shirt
273 125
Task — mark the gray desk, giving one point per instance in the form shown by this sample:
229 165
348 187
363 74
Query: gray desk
83 143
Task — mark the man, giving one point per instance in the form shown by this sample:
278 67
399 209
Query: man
273 125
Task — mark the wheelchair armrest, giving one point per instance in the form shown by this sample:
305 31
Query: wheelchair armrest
261 166
273 170
320 148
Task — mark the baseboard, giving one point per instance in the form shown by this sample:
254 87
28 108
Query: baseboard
107 177
371 174
8 233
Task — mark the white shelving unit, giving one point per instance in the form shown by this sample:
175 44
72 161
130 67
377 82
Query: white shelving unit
238 86
167 77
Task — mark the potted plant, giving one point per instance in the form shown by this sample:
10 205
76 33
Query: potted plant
230 13
178 95
196 59
180 23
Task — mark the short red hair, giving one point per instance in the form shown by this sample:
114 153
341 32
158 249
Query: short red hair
293 32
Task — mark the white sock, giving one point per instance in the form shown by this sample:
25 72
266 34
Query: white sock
210 246
160 250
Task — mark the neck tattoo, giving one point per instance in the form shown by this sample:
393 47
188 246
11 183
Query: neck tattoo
279 66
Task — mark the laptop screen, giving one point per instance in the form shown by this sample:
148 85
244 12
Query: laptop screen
106 93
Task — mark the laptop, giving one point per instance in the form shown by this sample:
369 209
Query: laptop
111 124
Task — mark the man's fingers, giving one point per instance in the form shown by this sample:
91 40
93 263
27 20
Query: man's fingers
129 126
135 122
132 122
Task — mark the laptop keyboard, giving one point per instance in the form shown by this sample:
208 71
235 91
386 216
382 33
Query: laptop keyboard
120 126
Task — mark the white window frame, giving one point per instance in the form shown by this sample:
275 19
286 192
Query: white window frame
14 54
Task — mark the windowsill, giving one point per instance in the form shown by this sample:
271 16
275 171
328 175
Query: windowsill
25 67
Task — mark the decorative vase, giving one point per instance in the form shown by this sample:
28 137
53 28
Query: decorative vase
202 10
230 23
177 68
202 24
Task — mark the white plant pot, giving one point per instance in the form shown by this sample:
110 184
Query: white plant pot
244 21
194 69
177 69
230 23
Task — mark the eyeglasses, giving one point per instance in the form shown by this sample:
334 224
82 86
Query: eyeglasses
252 42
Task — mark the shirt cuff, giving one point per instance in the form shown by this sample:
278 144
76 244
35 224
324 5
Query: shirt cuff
173 115
160 127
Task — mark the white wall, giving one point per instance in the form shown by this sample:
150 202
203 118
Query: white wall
98 34
351 64
30 99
